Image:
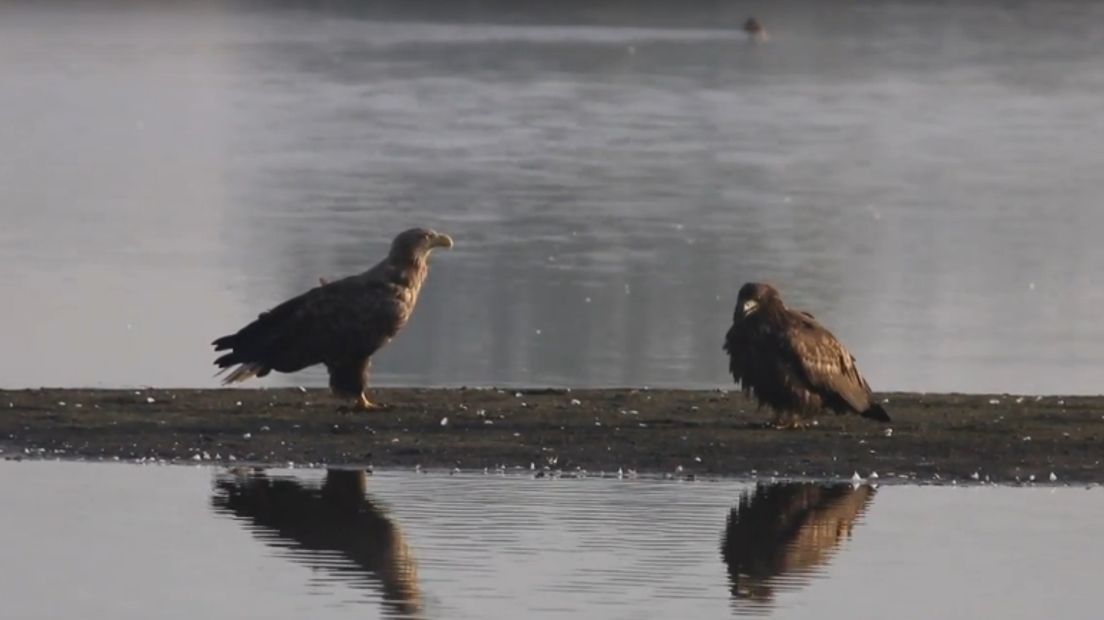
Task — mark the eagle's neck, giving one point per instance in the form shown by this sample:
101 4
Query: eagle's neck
409 271
773 309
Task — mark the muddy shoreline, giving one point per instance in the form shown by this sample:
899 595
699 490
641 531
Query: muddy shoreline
934 437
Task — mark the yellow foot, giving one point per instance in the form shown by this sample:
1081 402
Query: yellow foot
787 422
792 425
362 404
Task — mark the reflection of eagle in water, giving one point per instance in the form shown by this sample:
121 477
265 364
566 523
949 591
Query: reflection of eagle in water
338 517
781 531
791 363
339 324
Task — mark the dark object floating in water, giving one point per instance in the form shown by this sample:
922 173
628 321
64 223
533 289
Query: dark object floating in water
339 324
755 30
778 534
339 517
792 364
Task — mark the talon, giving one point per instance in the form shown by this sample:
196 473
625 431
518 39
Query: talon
363 404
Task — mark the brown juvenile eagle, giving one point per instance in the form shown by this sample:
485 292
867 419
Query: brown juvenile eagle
790 363
339 324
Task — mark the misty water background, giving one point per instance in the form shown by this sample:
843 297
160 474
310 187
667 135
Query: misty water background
924 177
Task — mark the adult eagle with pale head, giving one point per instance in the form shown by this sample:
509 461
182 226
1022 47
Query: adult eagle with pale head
792 364
339 324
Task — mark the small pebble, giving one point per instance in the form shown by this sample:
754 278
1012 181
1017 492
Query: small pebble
151 400
576 402
247 435
1053 477
196 457
444 421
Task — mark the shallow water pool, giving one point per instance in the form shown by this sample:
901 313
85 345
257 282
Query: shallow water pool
124 541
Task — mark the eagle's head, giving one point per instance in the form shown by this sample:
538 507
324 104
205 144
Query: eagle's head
414 245
754 296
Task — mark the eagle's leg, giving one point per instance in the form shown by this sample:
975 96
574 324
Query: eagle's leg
779 419
350 380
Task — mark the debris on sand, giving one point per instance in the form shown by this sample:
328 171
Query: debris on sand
651 431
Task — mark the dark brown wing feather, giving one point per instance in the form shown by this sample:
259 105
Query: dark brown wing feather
346 319
826 366
736 345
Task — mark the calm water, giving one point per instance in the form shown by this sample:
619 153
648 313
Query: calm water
121 541
925 177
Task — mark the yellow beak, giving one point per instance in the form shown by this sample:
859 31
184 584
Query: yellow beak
441 240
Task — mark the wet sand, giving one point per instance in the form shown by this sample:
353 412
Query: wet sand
933 438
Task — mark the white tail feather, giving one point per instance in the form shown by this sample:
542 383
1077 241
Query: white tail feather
241 373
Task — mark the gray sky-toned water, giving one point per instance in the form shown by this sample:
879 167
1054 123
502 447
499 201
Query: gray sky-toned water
924 178
167 539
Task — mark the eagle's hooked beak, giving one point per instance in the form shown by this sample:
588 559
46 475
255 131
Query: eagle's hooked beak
440 240
750 306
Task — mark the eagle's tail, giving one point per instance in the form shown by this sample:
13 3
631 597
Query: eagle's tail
876 412
246 368
243 372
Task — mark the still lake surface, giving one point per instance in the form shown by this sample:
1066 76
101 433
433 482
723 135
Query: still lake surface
924 177
113 542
